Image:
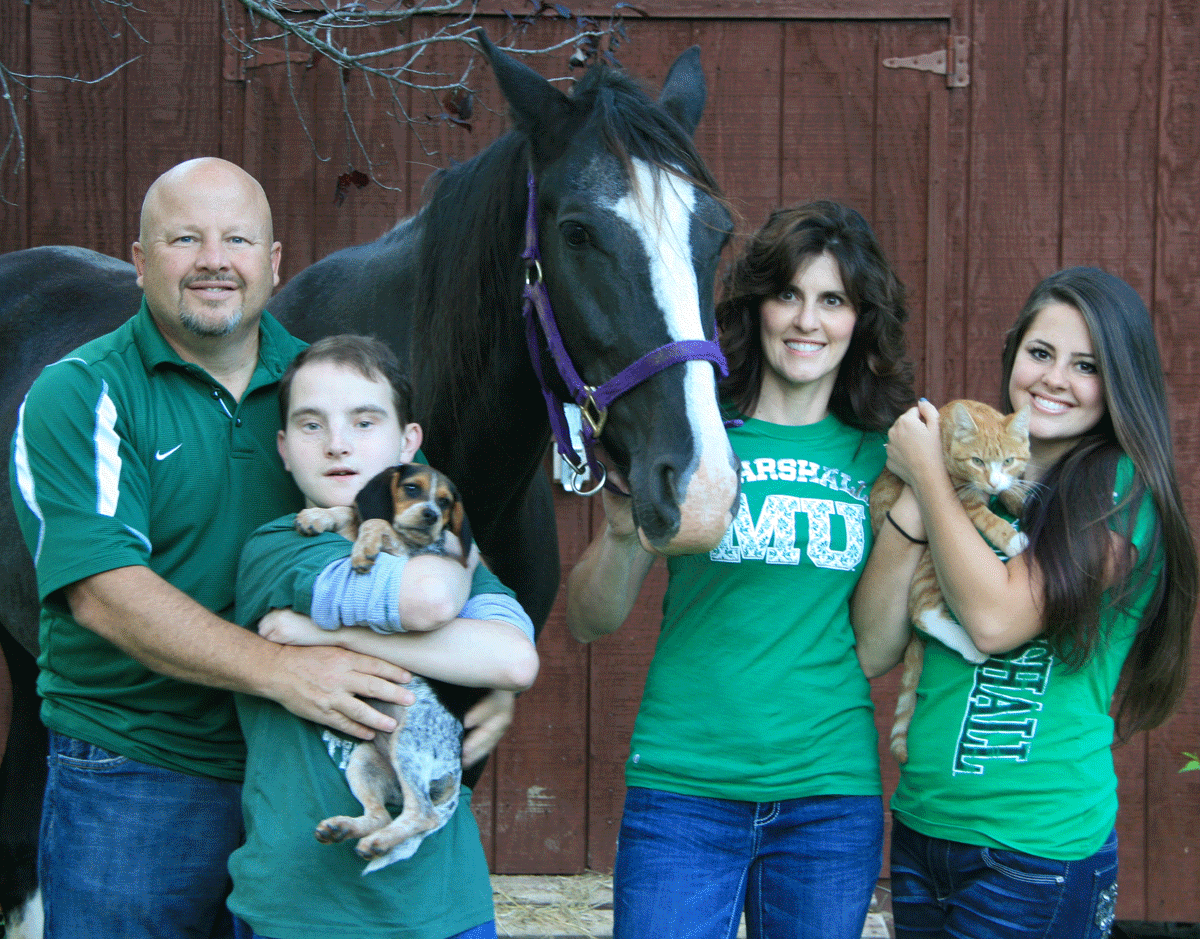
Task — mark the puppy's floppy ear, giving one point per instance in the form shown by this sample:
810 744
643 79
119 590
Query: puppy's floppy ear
376 498
461 527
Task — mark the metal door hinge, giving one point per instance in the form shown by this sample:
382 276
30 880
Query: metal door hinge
953 62
236 62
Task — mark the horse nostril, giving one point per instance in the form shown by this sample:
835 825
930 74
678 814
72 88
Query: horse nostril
668 477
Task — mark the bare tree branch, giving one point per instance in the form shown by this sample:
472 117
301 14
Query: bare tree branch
349 34
9 81
326 27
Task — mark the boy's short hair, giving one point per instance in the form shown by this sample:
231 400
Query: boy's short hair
366 355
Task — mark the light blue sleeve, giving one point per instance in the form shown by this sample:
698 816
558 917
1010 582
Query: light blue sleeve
497 606
343 598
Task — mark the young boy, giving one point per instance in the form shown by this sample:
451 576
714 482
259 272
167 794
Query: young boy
344 406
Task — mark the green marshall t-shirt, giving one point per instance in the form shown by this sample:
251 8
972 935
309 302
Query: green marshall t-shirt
125 455
286 884
1016 752
755 692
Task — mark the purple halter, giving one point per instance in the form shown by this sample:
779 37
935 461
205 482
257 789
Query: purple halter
593 401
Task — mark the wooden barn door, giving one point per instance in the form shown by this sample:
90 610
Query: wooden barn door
797 109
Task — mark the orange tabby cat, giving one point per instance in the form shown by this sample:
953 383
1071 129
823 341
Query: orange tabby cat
985 454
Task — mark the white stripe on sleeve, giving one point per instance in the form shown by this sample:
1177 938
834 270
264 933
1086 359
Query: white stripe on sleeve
25 480
108 455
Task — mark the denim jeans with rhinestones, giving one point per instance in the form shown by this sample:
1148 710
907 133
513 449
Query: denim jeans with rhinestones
946 888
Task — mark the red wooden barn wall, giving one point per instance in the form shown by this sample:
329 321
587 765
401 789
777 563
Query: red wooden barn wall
1076 140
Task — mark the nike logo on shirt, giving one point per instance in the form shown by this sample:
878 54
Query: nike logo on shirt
159 455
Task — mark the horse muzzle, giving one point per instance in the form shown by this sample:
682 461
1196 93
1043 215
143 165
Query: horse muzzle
686 512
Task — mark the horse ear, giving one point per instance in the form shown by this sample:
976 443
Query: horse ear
537 106
684 93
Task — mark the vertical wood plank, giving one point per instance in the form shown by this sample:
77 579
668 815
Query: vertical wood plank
541 768
363 214
1110 116
942 340
827 113
1013 221
280 153
1173 799
171 119
908 203
76 133
950 381
14 188
907 212
619 664
1110 119
739 134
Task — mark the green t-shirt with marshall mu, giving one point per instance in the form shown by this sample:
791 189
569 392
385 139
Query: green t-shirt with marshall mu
1016 753
755 692
125 455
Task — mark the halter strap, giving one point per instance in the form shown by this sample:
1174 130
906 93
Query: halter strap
593 401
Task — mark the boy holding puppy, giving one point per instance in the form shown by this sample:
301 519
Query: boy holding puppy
345 407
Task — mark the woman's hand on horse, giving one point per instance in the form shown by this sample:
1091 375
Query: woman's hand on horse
618 509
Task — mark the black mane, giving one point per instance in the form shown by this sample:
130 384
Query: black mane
469 272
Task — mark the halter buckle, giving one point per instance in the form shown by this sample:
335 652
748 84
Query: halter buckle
595 415
535 267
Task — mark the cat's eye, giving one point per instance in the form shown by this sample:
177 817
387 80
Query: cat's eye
1009 461
977 461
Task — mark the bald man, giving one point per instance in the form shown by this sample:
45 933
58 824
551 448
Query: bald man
141 463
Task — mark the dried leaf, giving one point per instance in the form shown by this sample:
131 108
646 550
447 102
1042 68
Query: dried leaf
459 102
345 181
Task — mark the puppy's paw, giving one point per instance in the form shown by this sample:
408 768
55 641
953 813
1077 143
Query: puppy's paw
381 845
335 830
340 518
374 535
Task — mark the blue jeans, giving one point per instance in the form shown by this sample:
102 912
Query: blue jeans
688 866
482 931
945 888
132 850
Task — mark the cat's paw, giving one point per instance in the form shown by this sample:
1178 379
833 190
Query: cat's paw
936 624
1019 543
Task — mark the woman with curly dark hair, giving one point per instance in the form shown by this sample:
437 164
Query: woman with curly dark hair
765 797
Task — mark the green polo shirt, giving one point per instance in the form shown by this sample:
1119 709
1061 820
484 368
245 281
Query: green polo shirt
127 455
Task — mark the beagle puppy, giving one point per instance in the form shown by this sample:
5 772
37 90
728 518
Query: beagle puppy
406 509
410 509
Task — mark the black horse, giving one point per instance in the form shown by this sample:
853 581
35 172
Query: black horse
631 225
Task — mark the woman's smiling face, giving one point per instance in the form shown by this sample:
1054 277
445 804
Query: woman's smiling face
1056 374
805 333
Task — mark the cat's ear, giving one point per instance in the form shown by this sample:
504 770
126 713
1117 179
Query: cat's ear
1018 423
963 421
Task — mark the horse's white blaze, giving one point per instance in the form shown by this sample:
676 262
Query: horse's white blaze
659 207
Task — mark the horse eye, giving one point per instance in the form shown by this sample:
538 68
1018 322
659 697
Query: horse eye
574 234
